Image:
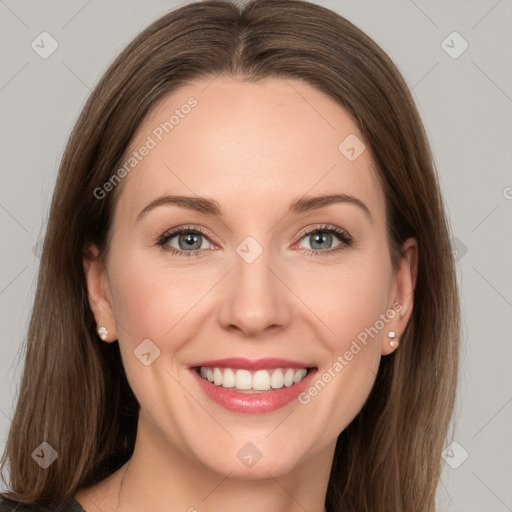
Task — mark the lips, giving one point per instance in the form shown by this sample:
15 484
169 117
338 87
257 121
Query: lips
252 364
254 399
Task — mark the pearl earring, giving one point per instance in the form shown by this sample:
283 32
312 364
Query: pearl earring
103 333
394 342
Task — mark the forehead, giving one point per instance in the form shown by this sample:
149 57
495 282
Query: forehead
246 144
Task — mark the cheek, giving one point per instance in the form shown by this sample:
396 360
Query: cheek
353 310
150 297
356 296
149 303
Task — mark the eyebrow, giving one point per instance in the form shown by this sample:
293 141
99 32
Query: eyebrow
212 207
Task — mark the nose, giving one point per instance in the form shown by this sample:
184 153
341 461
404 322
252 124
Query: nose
254 297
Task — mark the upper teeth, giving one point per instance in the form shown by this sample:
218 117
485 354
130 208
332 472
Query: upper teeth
259 380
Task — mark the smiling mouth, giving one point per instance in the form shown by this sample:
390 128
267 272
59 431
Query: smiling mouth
252 381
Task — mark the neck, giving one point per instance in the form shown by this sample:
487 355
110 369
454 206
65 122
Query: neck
160 473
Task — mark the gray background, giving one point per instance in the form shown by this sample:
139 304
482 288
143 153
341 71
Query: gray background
466 106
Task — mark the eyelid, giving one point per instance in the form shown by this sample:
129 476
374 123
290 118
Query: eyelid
325 227
171 233
345 238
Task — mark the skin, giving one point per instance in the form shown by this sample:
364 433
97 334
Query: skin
254 148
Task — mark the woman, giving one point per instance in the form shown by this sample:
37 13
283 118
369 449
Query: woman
186 350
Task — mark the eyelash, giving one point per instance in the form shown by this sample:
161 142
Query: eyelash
345 238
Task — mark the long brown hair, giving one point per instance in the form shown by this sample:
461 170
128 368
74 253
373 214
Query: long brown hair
74 393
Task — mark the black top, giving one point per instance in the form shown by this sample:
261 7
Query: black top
15 506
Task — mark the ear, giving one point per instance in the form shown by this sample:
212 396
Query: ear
99 294
401 296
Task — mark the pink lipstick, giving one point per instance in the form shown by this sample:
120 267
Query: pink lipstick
253 386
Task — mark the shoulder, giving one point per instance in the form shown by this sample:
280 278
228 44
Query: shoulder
7 505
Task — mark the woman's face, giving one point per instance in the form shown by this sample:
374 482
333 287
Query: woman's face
259 274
